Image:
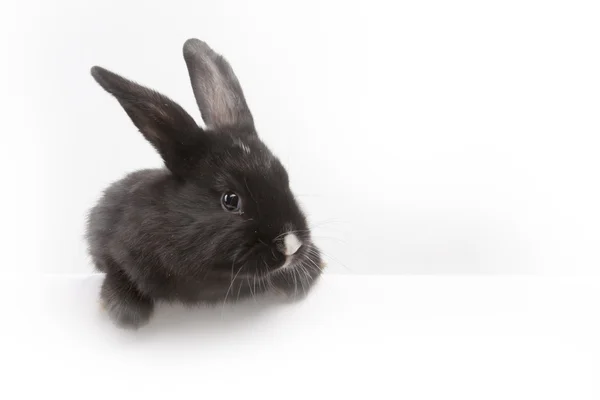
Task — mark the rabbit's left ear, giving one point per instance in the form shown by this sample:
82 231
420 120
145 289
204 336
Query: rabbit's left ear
216 88
171 130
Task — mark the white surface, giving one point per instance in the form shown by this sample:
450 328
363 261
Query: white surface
366 337
423 137
431 136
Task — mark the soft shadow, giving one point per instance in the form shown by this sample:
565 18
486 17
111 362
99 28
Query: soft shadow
213 320
73 307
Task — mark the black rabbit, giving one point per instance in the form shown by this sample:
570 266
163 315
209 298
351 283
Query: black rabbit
218 223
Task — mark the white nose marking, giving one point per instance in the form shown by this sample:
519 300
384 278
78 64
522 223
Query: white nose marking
292 244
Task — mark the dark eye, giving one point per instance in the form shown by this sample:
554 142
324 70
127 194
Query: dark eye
231 202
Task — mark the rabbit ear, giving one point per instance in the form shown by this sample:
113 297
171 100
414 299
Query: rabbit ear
216 88
166 125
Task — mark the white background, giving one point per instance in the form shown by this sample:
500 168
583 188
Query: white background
422 137
425 137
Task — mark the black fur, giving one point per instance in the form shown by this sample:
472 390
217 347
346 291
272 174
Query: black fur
163 235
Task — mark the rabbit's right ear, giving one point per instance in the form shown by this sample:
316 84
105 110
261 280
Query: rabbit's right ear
167 126
216 88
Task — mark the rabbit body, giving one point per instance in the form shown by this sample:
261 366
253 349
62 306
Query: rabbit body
218 223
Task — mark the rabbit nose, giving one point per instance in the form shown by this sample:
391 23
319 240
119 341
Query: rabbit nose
291 244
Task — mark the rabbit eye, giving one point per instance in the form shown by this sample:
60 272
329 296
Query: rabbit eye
231 202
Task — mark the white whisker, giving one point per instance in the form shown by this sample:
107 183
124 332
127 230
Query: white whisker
320 237
288 232
239 290
313 264
302 268
295 283
301 281
315 251
230 286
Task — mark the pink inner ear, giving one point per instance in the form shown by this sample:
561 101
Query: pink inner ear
216 88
